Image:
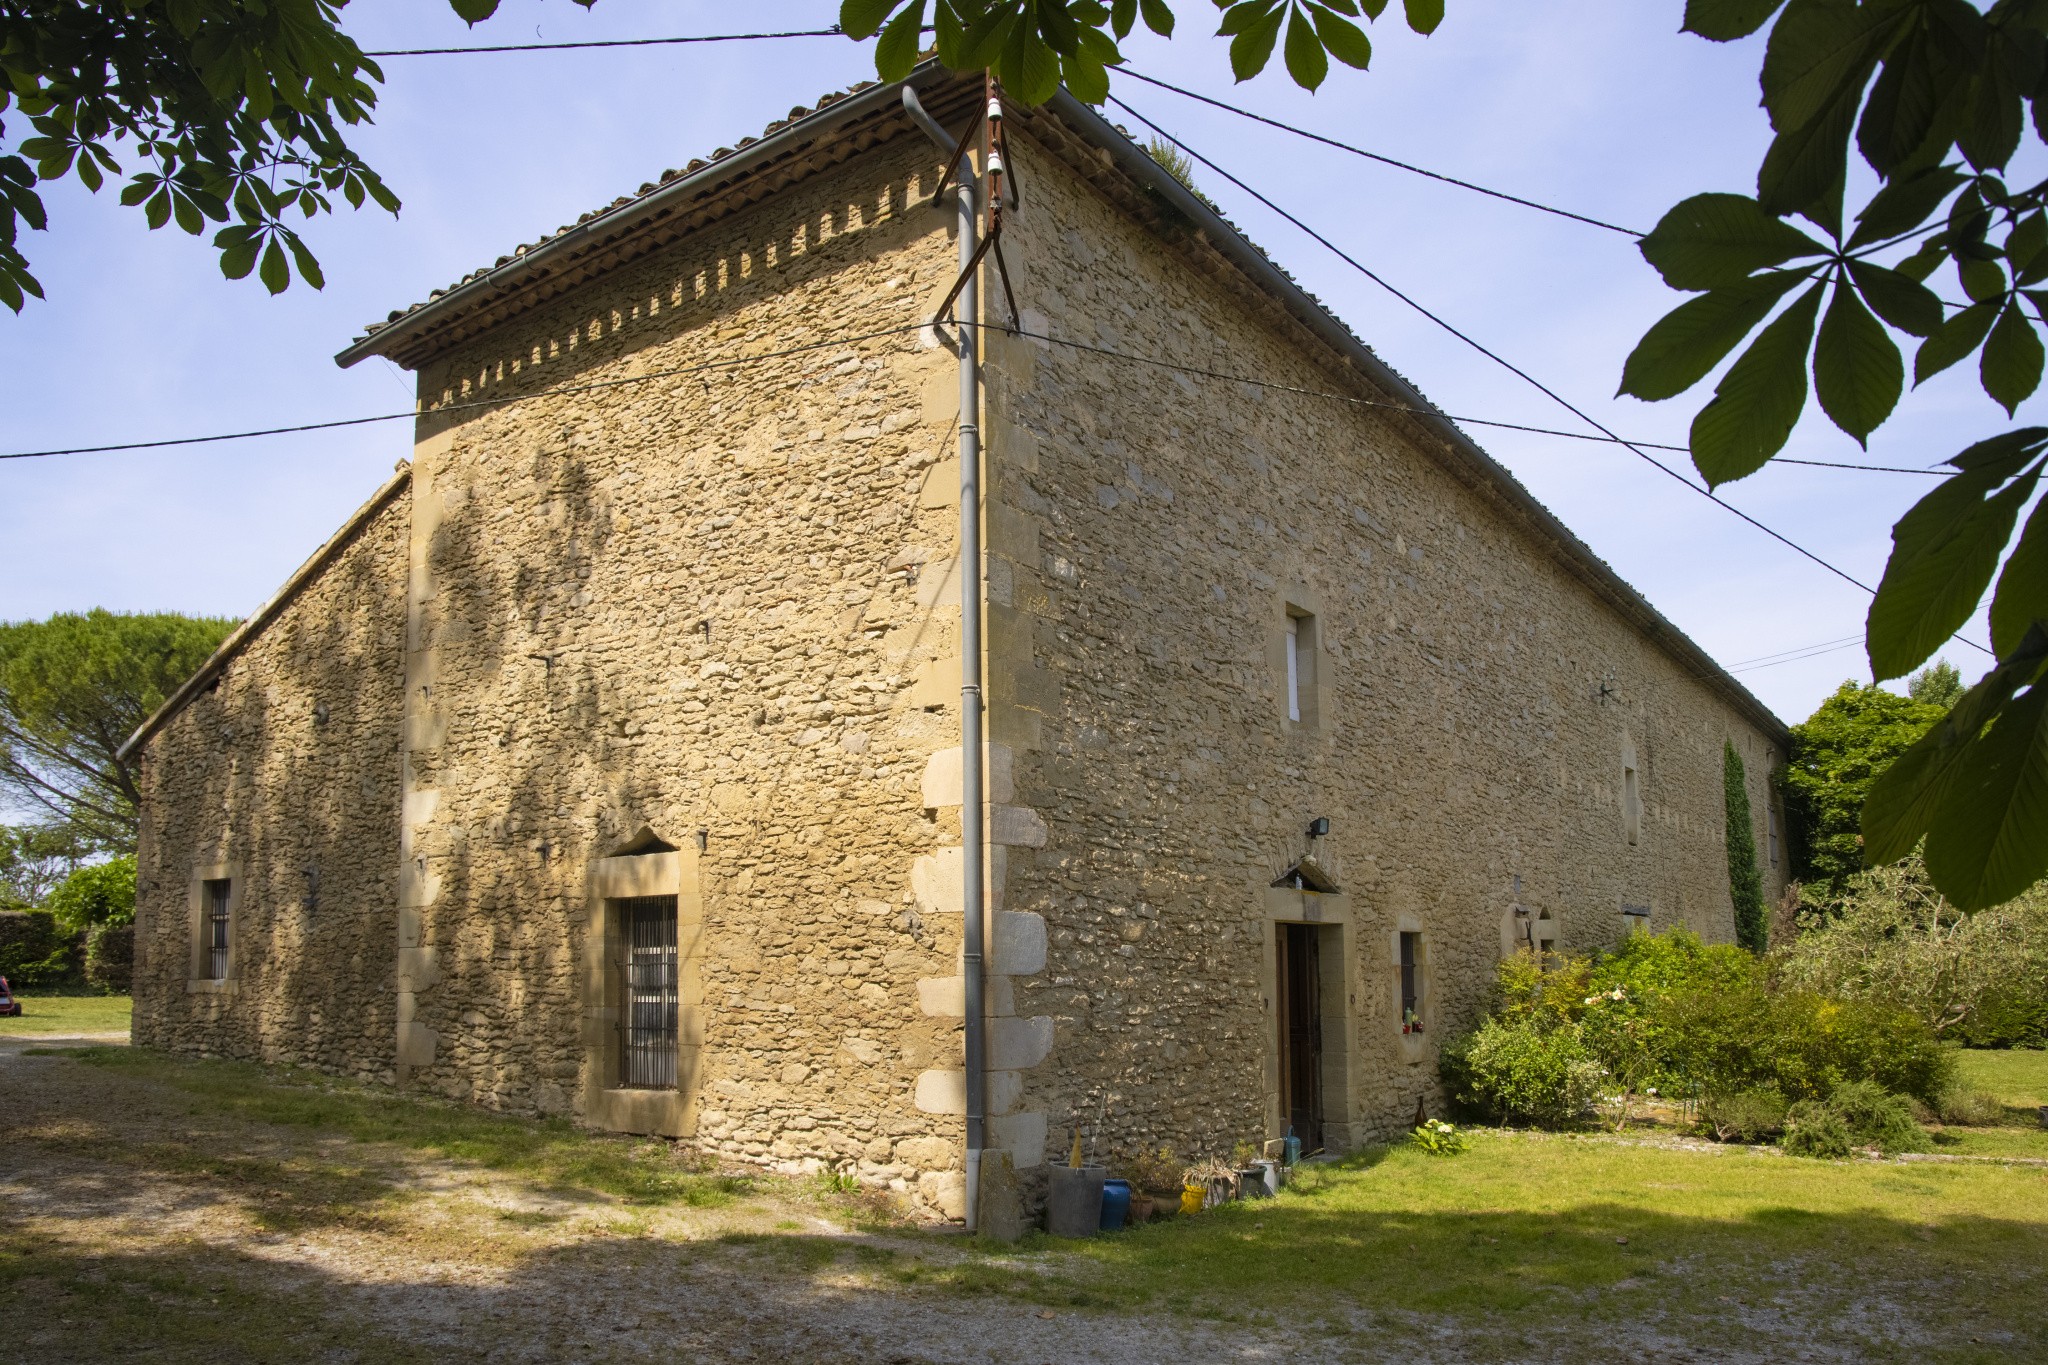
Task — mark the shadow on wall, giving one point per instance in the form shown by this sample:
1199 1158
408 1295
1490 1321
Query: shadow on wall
297 779
563 617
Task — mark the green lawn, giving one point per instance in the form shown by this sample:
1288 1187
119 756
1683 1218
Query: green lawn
1559 1240
73 1015
2018 1077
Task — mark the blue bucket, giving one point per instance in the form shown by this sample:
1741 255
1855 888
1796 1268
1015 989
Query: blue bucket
1116 1204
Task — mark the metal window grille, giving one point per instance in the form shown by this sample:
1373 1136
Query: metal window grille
217 930
1411 1019
649 976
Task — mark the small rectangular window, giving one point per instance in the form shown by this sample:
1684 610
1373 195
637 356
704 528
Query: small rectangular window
1411 982
216 929
1771 831
1631 804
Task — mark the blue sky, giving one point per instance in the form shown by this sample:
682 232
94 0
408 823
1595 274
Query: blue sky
1601 106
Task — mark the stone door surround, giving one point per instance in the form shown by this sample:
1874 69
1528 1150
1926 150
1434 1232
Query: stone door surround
670 1113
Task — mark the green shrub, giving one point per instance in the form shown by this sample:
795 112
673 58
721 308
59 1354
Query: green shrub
1545 988
32 953
1726 1042
1745 1116
1814 1129
1677 959
1877 1118
2006 1018
1629 1022
1836 1041
1857 1114
110 958
1969 1107
1523 1071
102 893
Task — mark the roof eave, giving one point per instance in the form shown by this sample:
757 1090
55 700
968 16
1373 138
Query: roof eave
537 263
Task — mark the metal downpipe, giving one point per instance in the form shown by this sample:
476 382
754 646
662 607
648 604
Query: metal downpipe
967 308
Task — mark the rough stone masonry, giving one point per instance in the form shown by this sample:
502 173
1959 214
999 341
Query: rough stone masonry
666 604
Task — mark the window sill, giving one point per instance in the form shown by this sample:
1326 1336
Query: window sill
209 986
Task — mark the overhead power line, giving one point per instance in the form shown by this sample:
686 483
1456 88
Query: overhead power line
1372 156
705 367
1782 654
1154 362
1794 656
606 42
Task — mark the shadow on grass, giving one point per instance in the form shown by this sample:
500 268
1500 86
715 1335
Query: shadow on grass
553 1154
816 1298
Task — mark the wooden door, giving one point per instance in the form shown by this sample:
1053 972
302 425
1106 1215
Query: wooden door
1301 1032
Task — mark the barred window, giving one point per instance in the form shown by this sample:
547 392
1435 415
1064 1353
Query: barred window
649 995
216 902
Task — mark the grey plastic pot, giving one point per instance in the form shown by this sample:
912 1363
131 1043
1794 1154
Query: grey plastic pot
1073 1200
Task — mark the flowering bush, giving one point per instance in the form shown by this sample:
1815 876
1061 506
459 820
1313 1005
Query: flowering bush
1695 1022
1438 1138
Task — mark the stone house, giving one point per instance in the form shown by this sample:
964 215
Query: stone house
607 762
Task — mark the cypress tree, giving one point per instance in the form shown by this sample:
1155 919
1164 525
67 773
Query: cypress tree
1745 884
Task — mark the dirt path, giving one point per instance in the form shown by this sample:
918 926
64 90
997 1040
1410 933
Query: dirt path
138 1225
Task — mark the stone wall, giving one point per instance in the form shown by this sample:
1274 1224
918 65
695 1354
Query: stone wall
1465 729
720 601
284 776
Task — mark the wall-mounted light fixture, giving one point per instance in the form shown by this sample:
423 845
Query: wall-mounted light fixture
1319 827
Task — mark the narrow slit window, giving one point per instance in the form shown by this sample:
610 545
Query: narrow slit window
1294 668
1631 803
1771 831
1411 982
1299 648
649 1000
216 929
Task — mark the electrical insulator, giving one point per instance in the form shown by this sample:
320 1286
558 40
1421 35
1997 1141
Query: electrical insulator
995 109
